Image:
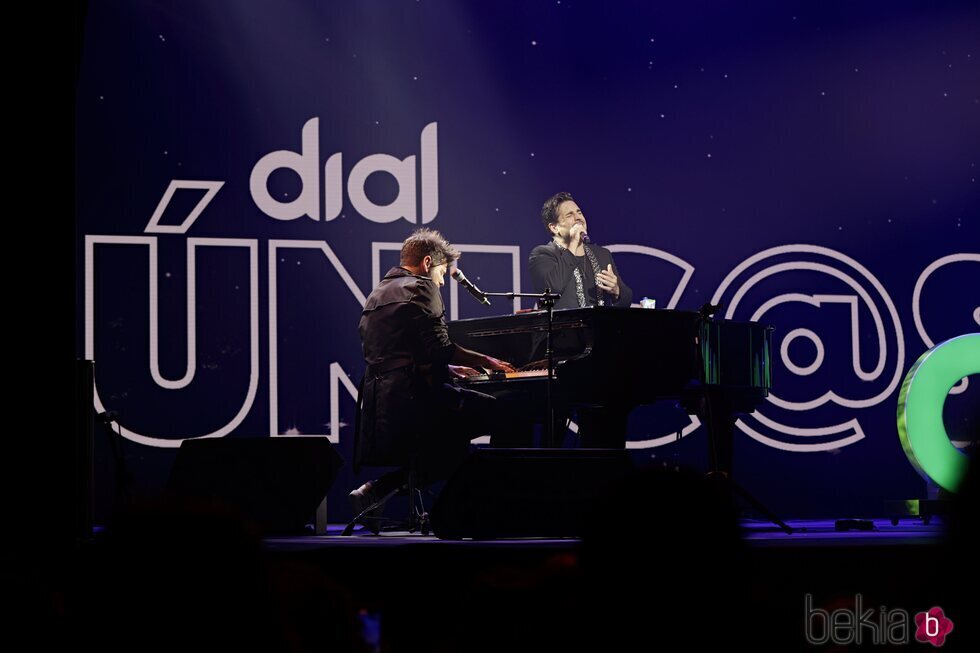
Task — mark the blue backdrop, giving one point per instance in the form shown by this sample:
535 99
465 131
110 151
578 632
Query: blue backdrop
246 170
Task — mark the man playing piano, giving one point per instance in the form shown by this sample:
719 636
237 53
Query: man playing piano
408 404
585 275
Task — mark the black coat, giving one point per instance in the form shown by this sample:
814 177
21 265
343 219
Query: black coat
407 349
553 267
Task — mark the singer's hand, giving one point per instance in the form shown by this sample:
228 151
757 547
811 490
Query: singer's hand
575 235
462 371
492 363
608 281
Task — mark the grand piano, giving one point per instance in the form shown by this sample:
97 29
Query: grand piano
625 357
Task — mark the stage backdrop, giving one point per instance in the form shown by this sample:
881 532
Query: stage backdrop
246 171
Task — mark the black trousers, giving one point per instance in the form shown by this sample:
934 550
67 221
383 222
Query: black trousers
449 419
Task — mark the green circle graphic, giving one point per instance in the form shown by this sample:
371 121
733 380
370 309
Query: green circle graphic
920 409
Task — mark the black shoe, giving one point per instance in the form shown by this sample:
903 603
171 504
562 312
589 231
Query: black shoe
365 498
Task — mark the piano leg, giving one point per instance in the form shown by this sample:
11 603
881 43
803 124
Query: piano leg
718 414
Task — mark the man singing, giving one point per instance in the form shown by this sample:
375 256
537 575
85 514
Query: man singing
584 274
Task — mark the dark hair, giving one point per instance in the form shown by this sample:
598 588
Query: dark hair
549 212
427 242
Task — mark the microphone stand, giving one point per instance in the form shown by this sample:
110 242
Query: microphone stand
546 299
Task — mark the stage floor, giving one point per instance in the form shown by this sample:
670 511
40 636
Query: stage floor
761 534
402 579
776 571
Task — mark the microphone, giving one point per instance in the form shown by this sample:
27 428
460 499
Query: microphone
466 283
585 238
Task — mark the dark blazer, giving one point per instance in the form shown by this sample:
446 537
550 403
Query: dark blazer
553 266
407 349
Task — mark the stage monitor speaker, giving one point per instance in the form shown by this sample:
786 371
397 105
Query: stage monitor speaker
278 483
502 493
